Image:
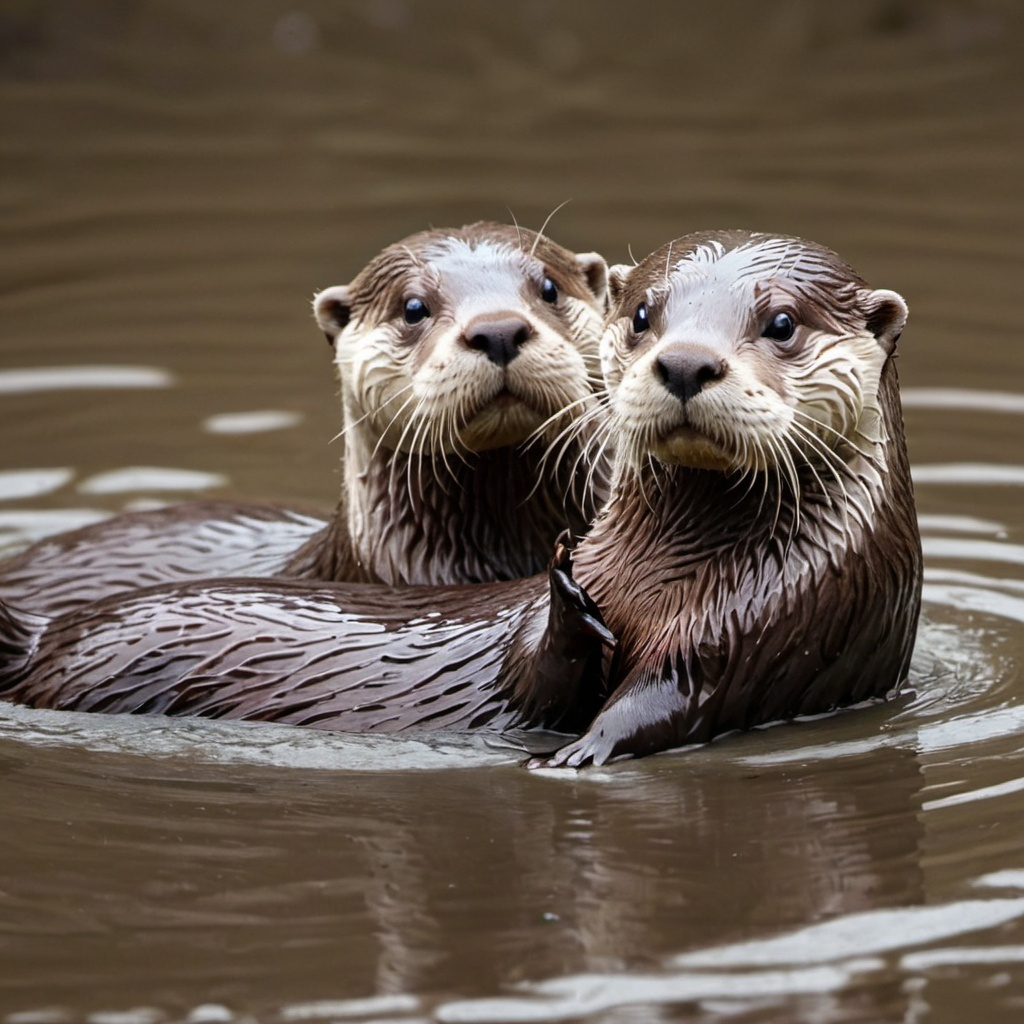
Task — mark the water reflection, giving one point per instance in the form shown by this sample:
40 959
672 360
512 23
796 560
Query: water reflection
968 473
179 182
150 478
30 483
962 398
18 529
65 378
509 877
817 959
250 422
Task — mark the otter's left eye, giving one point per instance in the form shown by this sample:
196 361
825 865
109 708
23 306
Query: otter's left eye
641 320
415 311
548 290
779 328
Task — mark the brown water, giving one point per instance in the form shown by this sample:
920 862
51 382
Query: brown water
177 179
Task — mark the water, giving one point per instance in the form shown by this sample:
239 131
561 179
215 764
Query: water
177 180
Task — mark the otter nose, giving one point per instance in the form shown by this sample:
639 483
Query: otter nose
499 338
686 371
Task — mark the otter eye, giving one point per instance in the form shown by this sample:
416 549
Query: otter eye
548 290
779 328
415 311
641 321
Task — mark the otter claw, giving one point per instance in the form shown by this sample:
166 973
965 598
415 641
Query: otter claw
588 616
577 754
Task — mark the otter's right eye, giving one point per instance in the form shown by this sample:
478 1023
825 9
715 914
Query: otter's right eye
415 311
641 321
779 328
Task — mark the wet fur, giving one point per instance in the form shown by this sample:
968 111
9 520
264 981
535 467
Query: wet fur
443 484
359 658
463 506
784 582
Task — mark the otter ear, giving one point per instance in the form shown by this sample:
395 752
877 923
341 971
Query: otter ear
332 308
885 315
595 273
618 276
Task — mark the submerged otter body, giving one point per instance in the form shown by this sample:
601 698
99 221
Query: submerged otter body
762 512
758 557
461 354
357 658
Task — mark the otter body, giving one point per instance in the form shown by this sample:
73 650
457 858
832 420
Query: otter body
758 557
461 354
355 658
762 515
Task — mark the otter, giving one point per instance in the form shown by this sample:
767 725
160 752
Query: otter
758 558
761 513
357 657
462 354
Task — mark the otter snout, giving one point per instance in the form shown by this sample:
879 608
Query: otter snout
498 337
687 370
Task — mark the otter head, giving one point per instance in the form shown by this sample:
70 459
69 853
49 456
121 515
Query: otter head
466 339
741 352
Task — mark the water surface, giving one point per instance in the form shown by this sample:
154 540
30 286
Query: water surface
177 180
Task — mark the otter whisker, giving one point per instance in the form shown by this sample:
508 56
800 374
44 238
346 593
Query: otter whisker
519 233
399 444
544 226
592 455
558 416
577 431
832 462
839 435
557 447
372 412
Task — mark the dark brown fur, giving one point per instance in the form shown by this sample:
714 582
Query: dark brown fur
733 603
737 597
468 517
351 658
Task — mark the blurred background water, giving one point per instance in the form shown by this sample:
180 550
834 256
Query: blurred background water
177 179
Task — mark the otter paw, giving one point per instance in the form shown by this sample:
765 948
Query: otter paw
570 599
591 748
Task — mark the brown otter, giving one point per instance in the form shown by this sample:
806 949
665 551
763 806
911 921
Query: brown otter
356 657
761 518
462 353
758 558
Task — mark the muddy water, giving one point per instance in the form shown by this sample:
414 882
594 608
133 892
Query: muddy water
177 179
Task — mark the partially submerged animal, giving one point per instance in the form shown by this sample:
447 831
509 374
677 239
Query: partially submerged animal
761 518
348 657
758 558
461 354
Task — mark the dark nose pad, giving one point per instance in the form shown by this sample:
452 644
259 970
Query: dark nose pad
499 339
686 372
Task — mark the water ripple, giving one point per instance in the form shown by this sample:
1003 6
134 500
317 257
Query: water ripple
962 398
968 473
30 483
819 958
63 378
251 422
207 741
150 478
